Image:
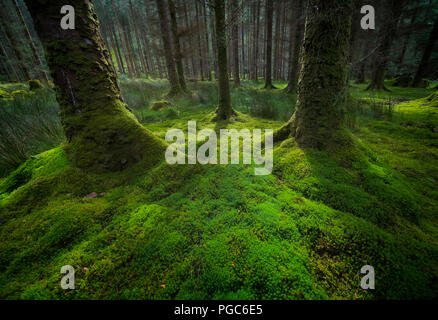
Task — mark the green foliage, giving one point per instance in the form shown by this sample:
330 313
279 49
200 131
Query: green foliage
29 124
219 232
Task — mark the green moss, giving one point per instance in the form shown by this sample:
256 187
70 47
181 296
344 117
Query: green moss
160 105
19 93
5 96
219 232
34 85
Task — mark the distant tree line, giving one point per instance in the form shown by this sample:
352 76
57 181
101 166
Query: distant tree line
263 40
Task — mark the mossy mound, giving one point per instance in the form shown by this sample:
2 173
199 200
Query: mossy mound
10 87
160 105
219 231
433 99
19 93
5 96
34 85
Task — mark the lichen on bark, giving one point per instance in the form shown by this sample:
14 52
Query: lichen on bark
102 134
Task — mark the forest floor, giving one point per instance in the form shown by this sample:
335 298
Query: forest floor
216 231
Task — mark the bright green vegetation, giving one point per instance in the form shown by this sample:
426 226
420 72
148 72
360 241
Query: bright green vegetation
196 232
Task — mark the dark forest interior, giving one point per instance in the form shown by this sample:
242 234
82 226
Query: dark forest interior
84 118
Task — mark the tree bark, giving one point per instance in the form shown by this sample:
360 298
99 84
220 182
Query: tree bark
200 49
207 46
175 87
296 39
235 40
322 86
256 42
224 110
102 134
426 56
176 45
268 28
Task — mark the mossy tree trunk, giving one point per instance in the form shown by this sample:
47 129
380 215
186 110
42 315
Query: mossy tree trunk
224 110
322 84
268 66
175 87
176 45
102 134
426 55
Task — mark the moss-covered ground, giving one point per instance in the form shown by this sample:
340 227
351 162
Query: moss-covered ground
220 232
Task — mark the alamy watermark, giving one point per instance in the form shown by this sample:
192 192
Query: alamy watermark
68 281
207 153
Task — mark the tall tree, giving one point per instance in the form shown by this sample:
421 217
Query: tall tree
102 134
175 87
123 41
224 110
137 37
296 39
268 46
426 55
386 37
176 44
322 86
235 40
207 46
256 41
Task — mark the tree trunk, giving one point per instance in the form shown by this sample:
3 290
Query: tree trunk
112 33
322 86
387 35
426 55
224 110
186 17
213 44
243 64
38 59
108 33
122 37
200 49
277 39
235 39
137 37
407 40
176 45
296 40
175 88
268 66
207 46
102 134
256 43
